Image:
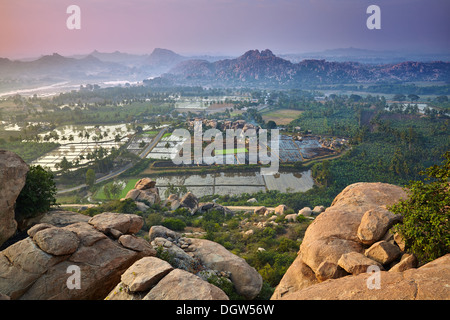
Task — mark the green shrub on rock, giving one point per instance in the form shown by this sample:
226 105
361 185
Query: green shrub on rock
38 194
425 227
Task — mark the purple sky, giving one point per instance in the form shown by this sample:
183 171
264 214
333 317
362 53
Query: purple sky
34 27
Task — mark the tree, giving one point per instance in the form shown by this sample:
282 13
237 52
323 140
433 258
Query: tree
426 213
38 194
271 124
399 97
172 189
322 173
112 190
413 97
64 165
90 177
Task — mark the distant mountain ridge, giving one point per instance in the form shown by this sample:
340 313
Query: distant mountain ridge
252 69
365 56
59 67
264 68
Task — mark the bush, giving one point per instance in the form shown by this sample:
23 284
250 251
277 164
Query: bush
226 286
38 194
174 224
153 219
425 227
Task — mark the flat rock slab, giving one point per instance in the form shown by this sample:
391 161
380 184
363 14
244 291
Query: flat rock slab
124 223
183 285
145 273
57 241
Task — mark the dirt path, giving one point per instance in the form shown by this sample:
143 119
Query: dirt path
247 208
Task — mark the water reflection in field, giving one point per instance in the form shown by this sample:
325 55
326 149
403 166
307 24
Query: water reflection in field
235 183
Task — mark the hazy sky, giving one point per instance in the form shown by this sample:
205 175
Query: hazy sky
35 27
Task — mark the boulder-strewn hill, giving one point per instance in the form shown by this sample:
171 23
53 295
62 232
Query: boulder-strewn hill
252 69
263 68
70 256
352 236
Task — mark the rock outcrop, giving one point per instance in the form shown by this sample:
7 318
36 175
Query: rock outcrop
200 255
346 238
144 191
154 279
189 201
431 281
39 267
13 172
247 281
101 257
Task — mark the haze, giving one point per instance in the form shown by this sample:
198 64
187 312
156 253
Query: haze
30 28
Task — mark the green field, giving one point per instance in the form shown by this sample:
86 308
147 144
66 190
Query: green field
100 195
231 151
152 132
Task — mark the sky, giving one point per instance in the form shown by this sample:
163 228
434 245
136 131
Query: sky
31 28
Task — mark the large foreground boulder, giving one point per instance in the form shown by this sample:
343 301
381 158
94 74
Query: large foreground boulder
207 257
335 231
247 281
431 281
154 279
357 218
13 172
151 278
182 285
78 261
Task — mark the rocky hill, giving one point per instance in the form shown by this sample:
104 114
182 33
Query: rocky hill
349 240
252 69
57 67
13 172
263 68
106 258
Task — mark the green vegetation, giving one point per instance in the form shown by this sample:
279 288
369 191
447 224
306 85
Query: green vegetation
388 142
28 151
90 178
231 151
152 132
115 189
426 216
38 194
270 249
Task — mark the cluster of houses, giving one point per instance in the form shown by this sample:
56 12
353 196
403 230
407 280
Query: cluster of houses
222 124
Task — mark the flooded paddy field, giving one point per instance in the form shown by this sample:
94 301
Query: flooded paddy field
78 141
237 183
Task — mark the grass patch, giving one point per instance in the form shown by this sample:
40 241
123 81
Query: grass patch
231 151
100 195
152 132
281 116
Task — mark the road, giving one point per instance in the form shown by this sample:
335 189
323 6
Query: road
152 144
247 208
118 172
